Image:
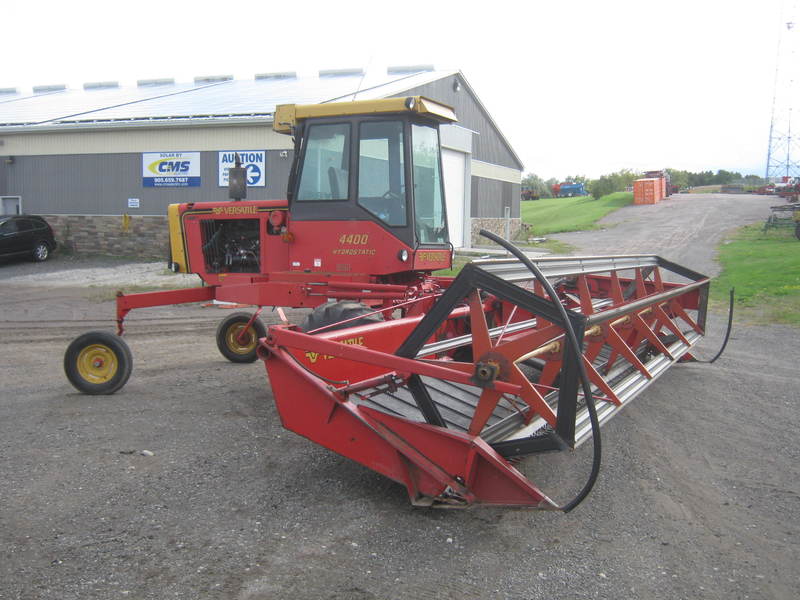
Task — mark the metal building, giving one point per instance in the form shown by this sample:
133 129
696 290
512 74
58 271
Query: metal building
84 158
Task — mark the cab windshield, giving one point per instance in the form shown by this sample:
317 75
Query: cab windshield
431 222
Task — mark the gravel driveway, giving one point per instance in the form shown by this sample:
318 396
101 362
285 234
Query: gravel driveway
698 496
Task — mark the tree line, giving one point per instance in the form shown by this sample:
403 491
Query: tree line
534 186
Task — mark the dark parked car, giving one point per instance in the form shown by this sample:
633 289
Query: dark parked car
26 234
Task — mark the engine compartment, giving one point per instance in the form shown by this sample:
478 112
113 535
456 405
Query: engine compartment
231 245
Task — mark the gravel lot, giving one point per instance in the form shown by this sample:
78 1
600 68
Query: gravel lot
698 496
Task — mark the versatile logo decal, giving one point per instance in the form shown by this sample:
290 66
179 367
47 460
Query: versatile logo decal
235 210
435 257
313 357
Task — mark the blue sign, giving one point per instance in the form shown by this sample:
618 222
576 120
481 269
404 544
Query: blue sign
171 169
253 174
252 160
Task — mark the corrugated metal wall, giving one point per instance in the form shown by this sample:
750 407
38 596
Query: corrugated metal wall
100 184
488 146
488 196
94 172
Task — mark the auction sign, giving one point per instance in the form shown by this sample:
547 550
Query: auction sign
171 169
252 160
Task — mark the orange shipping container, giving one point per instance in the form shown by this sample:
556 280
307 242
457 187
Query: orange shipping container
646 191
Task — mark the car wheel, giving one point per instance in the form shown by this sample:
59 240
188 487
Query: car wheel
41 252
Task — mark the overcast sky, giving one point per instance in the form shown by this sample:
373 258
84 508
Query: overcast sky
576 87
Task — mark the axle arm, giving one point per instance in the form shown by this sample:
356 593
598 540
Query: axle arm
127 302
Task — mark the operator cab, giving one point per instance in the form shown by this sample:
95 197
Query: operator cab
377 161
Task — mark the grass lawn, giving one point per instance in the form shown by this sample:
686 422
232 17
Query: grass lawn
552 246
458 263
706 189
556 215
764 269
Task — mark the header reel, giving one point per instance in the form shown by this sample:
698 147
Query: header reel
448 402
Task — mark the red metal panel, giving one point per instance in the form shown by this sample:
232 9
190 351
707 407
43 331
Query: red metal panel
427 459
308 408
280 336
345 247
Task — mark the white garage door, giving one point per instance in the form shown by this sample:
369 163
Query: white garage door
454 165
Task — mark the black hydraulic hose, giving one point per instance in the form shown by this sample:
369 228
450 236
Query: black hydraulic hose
573 341
727 332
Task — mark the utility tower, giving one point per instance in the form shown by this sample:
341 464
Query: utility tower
783 154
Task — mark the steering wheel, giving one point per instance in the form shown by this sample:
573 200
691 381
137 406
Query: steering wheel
393 208
390 195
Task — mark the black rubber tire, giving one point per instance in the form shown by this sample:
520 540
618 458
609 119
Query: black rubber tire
335 311
228 331
41 252
86 358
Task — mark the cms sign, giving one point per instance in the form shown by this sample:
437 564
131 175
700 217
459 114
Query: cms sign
171 169
168 166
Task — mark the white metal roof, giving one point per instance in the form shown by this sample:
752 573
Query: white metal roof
202 101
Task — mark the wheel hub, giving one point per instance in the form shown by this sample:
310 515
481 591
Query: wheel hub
97 363
240 339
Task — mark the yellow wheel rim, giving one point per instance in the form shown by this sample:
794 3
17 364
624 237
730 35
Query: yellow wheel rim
248 341
97 363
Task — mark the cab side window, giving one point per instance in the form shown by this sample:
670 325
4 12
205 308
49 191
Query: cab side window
326 166
381 171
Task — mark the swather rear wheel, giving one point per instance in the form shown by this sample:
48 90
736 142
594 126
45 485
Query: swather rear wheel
236 341
333 312
98 362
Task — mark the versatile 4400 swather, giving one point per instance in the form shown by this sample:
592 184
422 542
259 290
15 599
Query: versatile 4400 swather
440 383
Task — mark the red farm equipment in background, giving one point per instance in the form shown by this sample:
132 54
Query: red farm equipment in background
442 384
788 189
568 189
